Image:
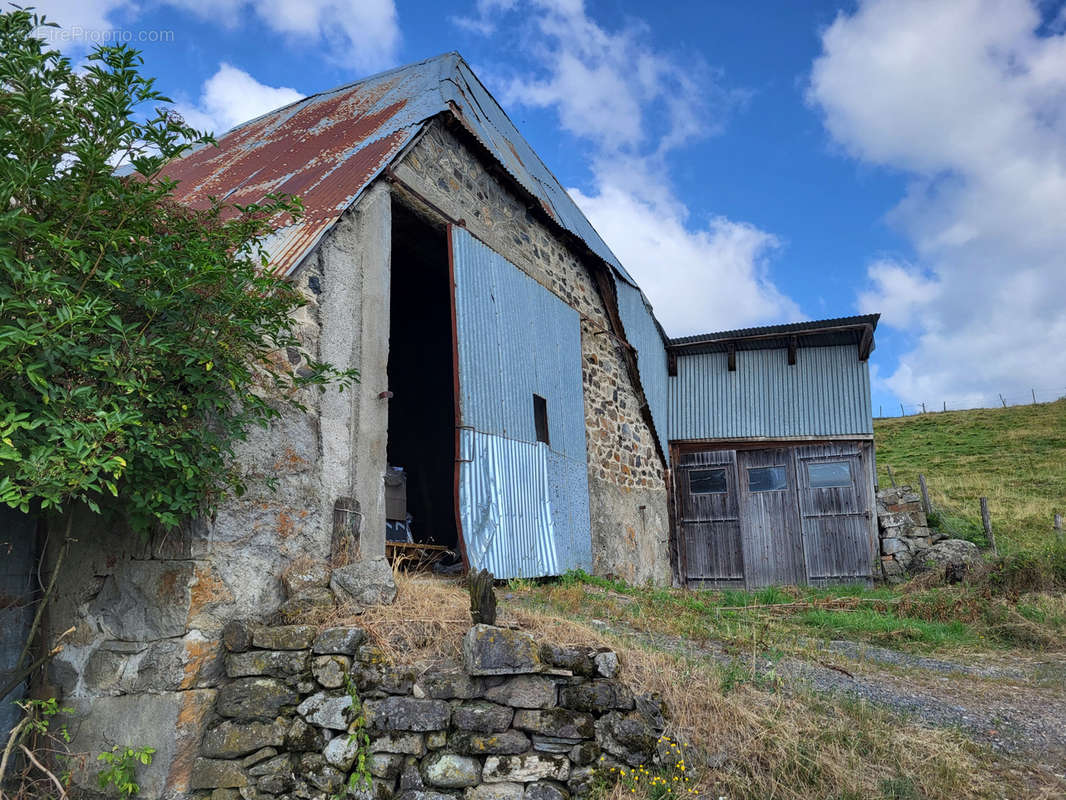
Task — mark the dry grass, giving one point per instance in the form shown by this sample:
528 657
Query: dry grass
744 740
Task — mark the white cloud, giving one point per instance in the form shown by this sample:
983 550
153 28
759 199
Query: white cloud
969 99
636 104
361 34
232 96
482 22
82 23
900 292
698 280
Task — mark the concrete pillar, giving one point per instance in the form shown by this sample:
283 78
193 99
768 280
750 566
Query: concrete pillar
355 333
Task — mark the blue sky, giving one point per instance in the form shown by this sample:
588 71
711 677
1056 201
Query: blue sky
749 162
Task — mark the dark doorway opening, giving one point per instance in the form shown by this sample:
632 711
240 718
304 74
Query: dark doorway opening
421 377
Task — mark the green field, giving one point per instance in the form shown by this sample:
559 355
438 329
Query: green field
1016 457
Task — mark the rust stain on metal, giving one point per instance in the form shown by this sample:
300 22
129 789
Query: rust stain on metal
323 150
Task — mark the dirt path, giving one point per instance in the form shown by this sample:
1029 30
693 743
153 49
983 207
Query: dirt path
1013 704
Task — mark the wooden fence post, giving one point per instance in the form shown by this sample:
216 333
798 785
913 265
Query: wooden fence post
1057 526
891 477
1003 400
926 506
902 410
986 520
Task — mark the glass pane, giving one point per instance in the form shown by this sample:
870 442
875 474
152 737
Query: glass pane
707 481
767 479
827 474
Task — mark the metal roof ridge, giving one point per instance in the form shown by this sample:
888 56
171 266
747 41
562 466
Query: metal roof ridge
784 328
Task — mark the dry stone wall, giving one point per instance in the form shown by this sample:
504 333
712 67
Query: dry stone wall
909 545
520 720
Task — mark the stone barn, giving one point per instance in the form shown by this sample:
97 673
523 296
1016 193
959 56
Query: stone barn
519 406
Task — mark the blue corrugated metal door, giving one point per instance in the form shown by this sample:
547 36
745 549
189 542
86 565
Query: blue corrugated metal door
523 502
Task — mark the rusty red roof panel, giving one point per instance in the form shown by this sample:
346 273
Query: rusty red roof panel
327 148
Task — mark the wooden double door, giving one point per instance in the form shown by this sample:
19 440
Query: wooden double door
784 515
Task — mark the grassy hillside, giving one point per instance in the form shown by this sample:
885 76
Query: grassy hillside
1016 457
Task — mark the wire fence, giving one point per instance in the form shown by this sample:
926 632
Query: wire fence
1032 397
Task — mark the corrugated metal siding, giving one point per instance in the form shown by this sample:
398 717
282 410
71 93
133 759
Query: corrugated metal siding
643 333
523 504
827 393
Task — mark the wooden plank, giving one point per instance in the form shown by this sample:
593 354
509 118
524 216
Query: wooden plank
836 522
770 529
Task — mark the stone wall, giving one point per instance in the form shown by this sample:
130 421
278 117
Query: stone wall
519 721
144 660
909 546
628 500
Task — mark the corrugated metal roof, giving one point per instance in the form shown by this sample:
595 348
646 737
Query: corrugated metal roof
783 330
328 147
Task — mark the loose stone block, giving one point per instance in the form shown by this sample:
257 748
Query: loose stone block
312 576
213 774
304 605
579 660
470 743
273 663
496 791
483 716
525 768
236 636
450 771
446 686
423 794
234 739
489 650
330 670
892 546
367 582
340 752
544 790
596 696
258 756
327 778
338 641
407 714
556 722
606 663
326 710
585 753
284 637
411 744
397 680
385 765
302 737
554 744
278 765
524 691
251 698
629 737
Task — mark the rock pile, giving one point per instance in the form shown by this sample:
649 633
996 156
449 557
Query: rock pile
519 721
908 545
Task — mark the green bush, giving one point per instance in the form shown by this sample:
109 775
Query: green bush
138 337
